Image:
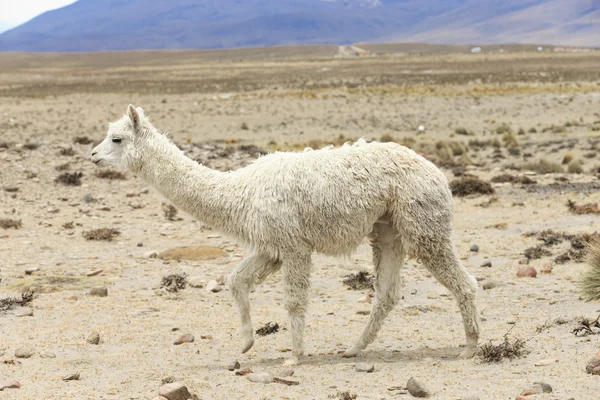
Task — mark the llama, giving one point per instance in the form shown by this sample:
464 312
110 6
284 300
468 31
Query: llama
286 205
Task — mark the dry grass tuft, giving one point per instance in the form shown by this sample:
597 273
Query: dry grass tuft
110 174
359 281
174 283
6 223
6 303
470 185
524 180
70 178
169 211
543 167
590 283
343 396
494 353
268 329
66 151
567 158
107 234
590 208
537 252
82 140
575 168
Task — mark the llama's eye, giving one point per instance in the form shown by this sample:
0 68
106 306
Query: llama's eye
117 140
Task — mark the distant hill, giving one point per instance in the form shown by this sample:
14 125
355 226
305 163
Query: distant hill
97 25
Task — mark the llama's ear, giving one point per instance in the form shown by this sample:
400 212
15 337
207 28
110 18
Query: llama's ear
134 116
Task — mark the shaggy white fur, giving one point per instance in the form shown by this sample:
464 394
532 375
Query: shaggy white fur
285 206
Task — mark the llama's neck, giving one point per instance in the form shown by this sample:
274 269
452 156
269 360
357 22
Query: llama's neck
202 192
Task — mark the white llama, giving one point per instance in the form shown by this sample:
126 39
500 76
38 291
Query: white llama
286 206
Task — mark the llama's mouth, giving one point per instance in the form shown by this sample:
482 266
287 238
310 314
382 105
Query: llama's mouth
97 161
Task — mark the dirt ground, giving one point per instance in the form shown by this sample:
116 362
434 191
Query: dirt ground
518 112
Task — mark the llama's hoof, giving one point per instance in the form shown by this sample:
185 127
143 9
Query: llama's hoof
469 352
291 362
248 345
351 352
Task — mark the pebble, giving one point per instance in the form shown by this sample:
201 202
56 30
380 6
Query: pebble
48 354
489 285
416 389
213 286
24 312
72 377
364 367
22 352
186 338
474 248
10 385
487 264
535 389
547 361
140 244
94 338
234 365
287 372
526 272
100 291
593 366
94 273
174 391
196 282
260 377
29 271
546 388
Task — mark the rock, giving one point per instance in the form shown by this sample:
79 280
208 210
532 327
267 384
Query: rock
29 271
489 285
140 244
287 372
535 389
364 367
526 272
186 338
196 282
24 312
206 337
546 388
546 269
234 365
543 363
174 391
22 352
593 366
10 385
474 248
94 338
416 389
95 272
71 377
195 253
487 264
48 354
244 371
260 377
150 254
99 291
213 286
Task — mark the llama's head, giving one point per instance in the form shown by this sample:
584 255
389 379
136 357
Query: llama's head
119 147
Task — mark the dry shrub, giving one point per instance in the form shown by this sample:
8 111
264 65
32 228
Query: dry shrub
510 140
110 174
169 211
578 250
82 140
63 167
568 158
343 396
536 252
70 178
590 208
587 327
6 303
461 131
470 185
504 128
590 283
66 151
174 283
31 146
543 167
359 281
6 223
575 168
107 234
386 137
268 329
524 180
68 225
244 126
494 353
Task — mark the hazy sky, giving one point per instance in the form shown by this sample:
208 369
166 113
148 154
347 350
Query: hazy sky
15 12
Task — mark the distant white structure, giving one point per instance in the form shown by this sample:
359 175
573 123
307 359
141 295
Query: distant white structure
540 48
421 128
476 50
351 51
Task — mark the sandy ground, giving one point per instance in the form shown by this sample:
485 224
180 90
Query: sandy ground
138 321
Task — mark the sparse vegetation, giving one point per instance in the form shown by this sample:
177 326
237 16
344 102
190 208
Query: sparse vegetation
174 283
107 234
567 158
110 174
244 126
70 178
6 223
461 131
359 281
169 211
343 396
6 303
575 168
504 178
587 327
467 185
82 140
31 146
268 329
536 252
590 208
590 283
543 167
494 353
66 151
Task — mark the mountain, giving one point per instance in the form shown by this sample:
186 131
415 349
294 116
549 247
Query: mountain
96 25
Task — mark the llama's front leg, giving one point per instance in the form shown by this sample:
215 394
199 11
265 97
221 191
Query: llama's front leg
253 269
296 281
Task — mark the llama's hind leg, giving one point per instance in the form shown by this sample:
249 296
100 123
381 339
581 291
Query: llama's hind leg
443 263
250 271
388 256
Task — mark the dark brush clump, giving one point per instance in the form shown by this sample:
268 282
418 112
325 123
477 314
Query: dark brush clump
470 185
67 152
268 329
7 303
70 178
523 180
82 140
174 283
107 234
110 174
169 211
359 281
537 252
590 208
494 353
6 223
343 396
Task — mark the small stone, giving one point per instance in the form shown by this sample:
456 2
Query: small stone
416 389
593 366
364 299
474 248
94 338
94 273
168 379
71 377
543 363
260 377
186 338
48 354
546 388
206 337
526 272
174 391
99 291
286 373
29 271
489 285
486 264
234 365
24 312
151 254
244 371
140 244
196 282
364 367
10 385
535 389
22 352
213 286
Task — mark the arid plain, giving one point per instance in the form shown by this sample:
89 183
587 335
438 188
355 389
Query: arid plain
527 122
